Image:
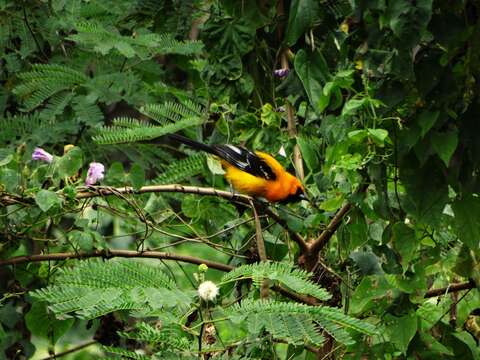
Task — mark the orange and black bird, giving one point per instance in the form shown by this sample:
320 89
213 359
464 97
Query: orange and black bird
253 173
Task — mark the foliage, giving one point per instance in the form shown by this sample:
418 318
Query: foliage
384 97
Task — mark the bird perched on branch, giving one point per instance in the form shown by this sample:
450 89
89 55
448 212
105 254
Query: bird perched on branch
253 173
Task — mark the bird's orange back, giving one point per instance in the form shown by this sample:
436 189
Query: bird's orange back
284 185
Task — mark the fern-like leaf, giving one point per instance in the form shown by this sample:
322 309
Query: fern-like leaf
44 81
282 320
167 337
171 111
181 170
118 135
144 45
293 278
94 288
125 354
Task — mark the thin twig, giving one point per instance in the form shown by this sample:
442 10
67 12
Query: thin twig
262 253
291 120
29 27
72 350
96 191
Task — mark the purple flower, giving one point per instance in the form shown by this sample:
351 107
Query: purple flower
281 73
40 154
95 173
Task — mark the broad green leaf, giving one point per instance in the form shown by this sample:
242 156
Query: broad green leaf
368 262
426 120
379 136
115 173
83 239
6 160
9 179
47 199
309 149
125 49
427 191
137 176
471 343
357 229
401 329
405 242
371 292
312 69
69 164
45 325
445 145
215 166
351 106
302 16
467 220
333 203
357 135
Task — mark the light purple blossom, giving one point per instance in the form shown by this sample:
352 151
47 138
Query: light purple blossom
95 173
281 73
42 155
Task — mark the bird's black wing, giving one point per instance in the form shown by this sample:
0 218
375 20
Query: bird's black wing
245 160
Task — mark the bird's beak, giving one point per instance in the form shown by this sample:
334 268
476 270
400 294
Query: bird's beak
302 197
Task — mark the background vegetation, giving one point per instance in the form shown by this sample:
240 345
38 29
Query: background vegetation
376 108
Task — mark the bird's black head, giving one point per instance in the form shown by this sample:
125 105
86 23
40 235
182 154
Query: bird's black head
295 197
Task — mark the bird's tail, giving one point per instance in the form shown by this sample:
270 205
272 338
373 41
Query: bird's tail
193 144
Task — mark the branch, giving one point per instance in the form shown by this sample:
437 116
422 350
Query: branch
72 350
115 253
94 191
326 234
283 223
450 288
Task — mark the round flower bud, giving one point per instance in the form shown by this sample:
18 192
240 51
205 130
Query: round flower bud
202 268
208 291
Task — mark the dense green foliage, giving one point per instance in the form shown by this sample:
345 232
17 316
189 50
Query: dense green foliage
380 105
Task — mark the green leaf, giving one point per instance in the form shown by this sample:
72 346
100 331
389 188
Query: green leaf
6 160
371 291
115 173
357 135
47 199
302 15
45 325
69 164
137 176
333 203
9 179
401 330
309 149
83 239
368 262
445 145
426 120
269 116
405 242
427 191
379 136
312 69
467 220
352 105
